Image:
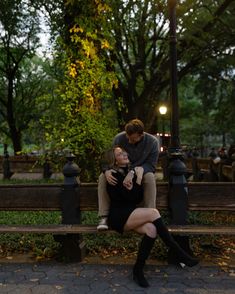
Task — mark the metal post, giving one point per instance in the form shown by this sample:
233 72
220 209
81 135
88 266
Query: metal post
175 143
7 173
163 126
47 171
72 245
178 189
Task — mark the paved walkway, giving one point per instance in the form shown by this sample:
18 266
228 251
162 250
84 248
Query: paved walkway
81 278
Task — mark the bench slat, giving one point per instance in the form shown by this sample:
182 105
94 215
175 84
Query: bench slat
76 229
202 196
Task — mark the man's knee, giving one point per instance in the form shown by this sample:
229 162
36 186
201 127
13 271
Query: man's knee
149 178
150 190
102 179
103 197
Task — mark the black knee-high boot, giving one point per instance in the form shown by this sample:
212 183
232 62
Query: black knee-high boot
145 247
180 254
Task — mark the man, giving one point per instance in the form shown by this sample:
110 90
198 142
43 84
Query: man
143 151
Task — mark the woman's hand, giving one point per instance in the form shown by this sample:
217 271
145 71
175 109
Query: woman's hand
109 177
128 181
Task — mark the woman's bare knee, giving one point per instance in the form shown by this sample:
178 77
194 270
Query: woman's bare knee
140 217
150 230
155 214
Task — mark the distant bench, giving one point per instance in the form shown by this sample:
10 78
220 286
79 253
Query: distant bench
19 164
205 169
200 168
201 197
226 172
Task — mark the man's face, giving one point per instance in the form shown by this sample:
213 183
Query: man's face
134 138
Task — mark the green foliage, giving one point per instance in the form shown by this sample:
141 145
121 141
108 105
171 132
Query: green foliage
104 41
23 75
206 100
80 122
141 49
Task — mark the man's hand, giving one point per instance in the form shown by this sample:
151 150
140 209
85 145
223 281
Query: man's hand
139 174
109 177
128 183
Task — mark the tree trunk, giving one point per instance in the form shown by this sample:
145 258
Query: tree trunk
14 132
16 140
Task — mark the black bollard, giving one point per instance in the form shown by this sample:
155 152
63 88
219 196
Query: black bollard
47 171
72 245
7 173
163 156
178 198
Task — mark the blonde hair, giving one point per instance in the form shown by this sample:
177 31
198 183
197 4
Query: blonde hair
110 157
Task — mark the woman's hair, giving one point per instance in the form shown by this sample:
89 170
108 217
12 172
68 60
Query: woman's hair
110 157
134 126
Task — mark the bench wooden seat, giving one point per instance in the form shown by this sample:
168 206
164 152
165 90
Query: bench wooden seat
80 229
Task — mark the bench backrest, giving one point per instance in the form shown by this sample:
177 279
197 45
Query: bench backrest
201 196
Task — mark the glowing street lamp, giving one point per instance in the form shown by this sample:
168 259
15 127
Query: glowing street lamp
163 111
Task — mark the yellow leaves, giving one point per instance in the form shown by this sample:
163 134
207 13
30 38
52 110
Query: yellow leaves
105 44
115 83
222 263
90 101
81 64
72 70
76 30
87 41
89 48
102 7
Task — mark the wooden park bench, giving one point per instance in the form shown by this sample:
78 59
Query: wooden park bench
200 167
201 197
228 172
204 169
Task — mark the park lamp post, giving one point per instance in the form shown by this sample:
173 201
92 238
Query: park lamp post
163 111
178 189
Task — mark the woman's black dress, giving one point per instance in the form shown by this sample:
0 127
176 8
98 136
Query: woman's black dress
122 200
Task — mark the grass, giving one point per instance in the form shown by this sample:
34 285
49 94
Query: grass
25 181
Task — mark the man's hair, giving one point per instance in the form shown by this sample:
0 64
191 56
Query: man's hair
134 126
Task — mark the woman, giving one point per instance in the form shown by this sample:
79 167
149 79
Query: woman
125 215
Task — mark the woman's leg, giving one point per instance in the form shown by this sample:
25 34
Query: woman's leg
140 221
167 238
139 217
145 248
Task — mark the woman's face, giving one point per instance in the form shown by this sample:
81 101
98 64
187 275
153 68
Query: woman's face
121 157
